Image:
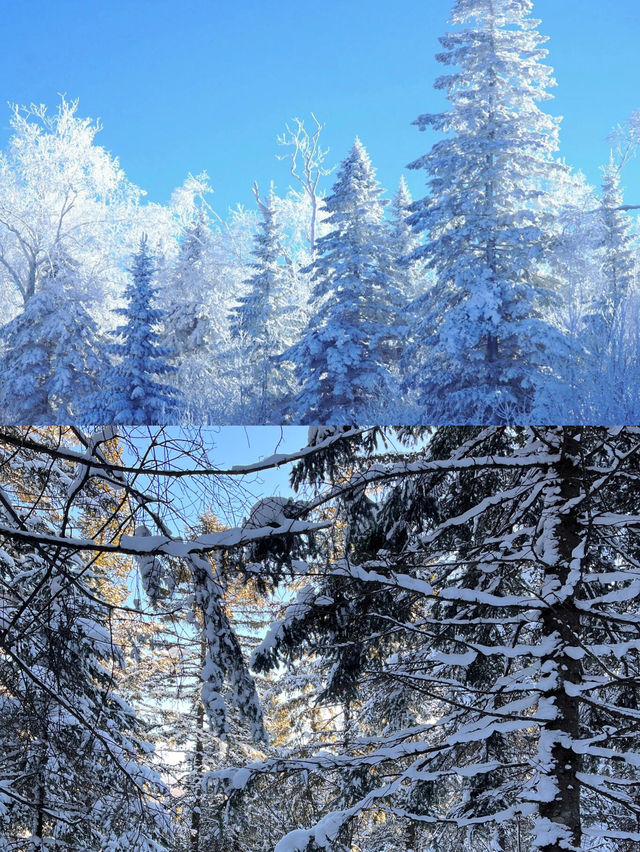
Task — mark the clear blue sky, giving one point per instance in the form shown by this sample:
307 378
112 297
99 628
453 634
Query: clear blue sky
228 446
240 445
186 85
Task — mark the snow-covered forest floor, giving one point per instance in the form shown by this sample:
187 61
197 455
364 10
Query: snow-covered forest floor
508 293
433 645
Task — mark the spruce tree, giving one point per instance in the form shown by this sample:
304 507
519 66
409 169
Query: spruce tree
618 262
408 272
75 769
342 358
187 328
194 328
185 315
133 392
259 321
404 244
482 346
609 364
493 576
53 355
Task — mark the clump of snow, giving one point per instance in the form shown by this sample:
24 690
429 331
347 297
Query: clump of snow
240 779
295 841
270 512
318 434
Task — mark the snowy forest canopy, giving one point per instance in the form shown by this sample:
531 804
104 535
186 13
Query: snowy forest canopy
509 293
432 645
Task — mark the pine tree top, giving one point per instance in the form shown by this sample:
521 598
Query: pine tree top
133 392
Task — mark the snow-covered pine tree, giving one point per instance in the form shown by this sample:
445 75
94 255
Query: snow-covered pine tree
259 320
408 271
618 262
403 244
573 271
483 346
187 327
52 354
502 562
338 626
341 361
133 392
606 320
75 771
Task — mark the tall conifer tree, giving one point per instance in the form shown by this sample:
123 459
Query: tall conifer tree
611 360
479 353
133 392
187 300
259 321
404 244
53 354
341 360
494 580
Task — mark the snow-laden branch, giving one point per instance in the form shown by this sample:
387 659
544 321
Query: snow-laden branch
155 545
97 465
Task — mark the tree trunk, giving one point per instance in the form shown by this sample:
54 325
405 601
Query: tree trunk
559 540
196 814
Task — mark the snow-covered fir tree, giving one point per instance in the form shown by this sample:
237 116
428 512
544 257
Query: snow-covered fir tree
618 262
482 346
493 579
403 244
342 359
611 361
52 354
133 390
75 768
261 321
187 330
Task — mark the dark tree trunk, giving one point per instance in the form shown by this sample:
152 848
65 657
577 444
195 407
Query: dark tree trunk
196 814
561 618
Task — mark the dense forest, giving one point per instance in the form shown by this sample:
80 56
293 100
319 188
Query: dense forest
403 638
507 294
431 645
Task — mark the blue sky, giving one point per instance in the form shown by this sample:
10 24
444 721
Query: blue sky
186 85
240 445
226 446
